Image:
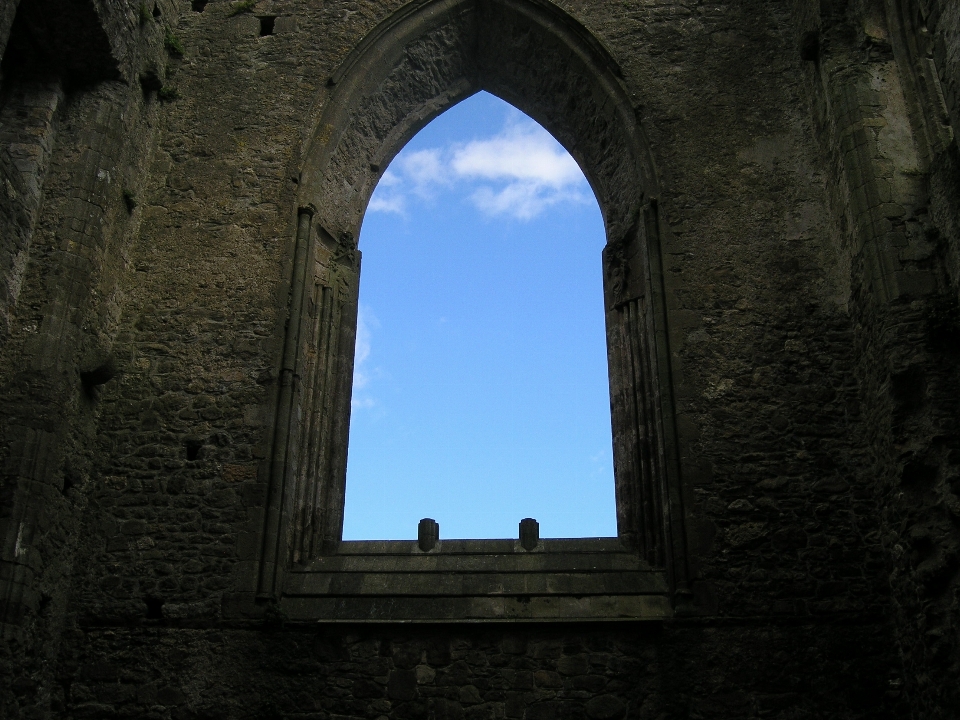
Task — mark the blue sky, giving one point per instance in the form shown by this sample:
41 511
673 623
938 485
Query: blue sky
480 392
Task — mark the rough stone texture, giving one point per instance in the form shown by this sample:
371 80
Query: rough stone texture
157 169
474 674
28 130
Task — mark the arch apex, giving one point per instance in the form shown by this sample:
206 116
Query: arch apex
431 54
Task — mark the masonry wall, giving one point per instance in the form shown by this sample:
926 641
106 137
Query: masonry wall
521 672
901 201
811 289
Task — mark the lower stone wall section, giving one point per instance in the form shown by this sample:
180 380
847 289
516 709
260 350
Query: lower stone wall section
526 672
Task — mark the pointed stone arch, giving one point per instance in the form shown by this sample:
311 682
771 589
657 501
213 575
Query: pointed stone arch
417 63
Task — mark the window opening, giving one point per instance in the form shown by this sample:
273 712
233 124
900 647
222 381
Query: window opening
193 449
417 62
266 25
480 391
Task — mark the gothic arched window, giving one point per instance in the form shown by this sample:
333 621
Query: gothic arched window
480 391
425 58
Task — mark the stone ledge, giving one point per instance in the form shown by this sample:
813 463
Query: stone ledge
469 583
476 609
481 547
589 579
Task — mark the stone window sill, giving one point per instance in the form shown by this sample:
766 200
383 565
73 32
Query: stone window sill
591 579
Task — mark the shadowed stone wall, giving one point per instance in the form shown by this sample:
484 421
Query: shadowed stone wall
463 673
807 197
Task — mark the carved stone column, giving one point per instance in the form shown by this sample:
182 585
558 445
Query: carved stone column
331 346
649 503
304 513
637 444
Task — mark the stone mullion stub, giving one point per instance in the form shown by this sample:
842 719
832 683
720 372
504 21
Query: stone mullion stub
642 459
317 432
322 410
648 437
326 405
624 415
638 461
304 476
321 472
651 438
656 441
672 517
308 466
638 432
344 334
637 419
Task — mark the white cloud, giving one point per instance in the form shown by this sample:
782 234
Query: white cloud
602 463
523 201
384 202
388 195
361 371
389 179
425 169
518 173
521 153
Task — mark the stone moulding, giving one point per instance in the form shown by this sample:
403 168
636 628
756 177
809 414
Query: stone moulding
477 580
419 62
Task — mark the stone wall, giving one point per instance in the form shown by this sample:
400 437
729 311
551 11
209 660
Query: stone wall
74 139
899 183
28 122
526 673
809 242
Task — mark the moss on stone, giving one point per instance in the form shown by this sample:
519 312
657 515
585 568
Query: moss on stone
172 43
244 6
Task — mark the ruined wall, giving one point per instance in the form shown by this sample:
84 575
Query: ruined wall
75 139
450 673
182 427
809 247
880 90
922 521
